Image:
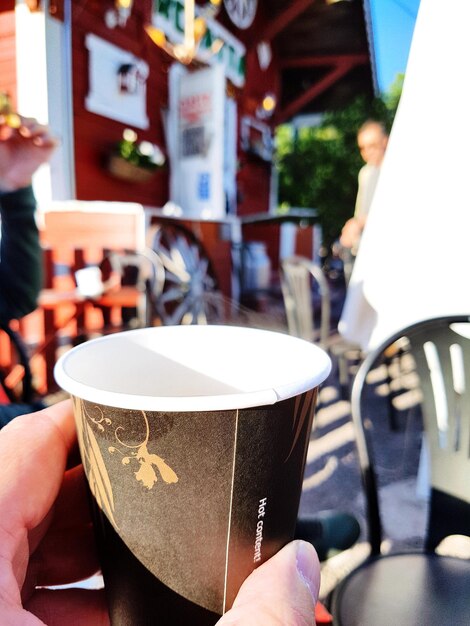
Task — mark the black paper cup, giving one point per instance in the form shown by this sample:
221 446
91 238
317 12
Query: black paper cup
193 441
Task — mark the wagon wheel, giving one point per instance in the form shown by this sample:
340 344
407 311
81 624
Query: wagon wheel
190 294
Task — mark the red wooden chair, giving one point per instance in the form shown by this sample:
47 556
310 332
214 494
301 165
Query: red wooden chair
76 235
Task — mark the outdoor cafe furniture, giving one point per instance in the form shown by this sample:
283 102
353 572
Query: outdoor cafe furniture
418 587
299 277
205 259
79 235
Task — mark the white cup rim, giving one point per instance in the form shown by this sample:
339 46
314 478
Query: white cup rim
251 388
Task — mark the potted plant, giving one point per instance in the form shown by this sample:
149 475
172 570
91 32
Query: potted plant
135 161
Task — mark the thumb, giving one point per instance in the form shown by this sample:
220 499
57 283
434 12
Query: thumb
281 592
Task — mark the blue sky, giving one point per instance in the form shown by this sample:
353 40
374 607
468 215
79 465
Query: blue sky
393 23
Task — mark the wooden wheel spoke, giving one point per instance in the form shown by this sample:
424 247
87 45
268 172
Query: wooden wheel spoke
188 277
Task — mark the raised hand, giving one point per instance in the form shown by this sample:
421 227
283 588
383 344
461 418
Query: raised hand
24 146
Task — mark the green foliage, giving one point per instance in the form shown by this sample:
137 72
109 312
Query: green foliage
392 97
143 154
318 166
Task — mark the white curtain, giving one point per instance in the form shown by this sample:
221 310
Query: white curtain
414 259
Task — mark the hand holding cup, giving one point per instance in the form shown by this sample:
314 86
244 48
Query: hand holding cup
193 441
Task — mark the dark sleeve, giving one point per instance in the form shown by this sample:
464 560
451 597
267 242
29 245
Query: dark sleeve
20 255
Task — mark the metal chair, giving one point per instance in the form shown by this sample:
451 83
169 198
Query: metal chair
419 587
298 276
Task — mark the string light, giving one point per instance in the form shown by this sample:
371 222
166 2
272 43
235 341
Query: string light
267 106
194 30
120 14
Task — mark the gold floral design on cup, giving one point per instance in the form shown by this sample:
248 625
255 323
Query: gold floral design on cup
95 467
148 462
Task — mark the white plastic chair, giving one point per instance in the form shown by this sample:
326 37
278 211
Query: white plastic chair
298 275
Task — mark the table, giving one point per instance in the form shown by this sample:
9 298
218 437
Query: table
223 238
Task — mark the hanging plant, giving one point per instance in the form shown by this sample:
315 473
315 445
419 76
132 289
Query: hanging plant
135 161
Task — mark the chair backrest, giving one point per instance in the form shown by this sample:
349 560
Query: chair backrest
80 224
77 233
298 274
440 348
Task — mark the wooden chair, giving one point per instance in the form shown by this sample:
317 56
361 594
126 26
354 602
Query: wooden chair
76 235
419 587
16 380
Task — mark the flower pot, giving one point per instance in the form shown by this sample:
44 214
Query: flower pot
120 168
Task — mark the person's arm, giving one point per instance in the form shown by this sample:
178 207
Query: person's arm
23 149
20 255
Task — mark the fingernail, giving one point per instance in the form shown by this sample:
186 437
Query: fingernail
307 565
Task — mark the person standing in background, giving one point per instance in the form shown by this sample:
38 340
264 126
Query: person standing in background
372 139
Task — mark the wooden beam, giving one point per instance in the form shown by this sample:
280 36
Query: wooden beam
313 92
281 21
325 60
7 5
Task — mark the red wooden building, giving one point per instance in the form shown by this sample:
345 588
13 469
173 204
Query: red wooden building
306 55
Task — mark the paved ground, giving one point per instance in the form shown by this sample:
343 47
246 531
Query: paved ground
332 478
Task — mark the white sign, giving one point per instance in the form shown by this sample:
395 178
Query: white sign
168 16
117 82
197 102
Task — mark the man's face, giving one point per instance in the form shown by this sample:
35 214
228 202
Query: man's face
372 143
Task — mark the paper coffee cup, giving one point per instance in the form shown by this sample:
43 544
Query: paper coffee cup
193 440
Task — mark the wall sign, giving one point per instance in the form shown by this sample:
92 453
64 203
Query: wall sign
256 138
117 82
197 151
168 15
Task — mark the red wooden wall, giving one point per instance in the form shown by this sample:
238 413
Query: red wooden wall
7 49
94 134
254 173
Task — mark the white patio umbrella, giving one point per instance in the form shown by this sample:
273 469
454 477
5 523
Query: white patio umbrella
414 258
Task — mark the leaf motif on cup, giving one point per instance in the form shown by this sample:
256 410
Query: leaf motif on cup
150 466
92 459
148 462
146 473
